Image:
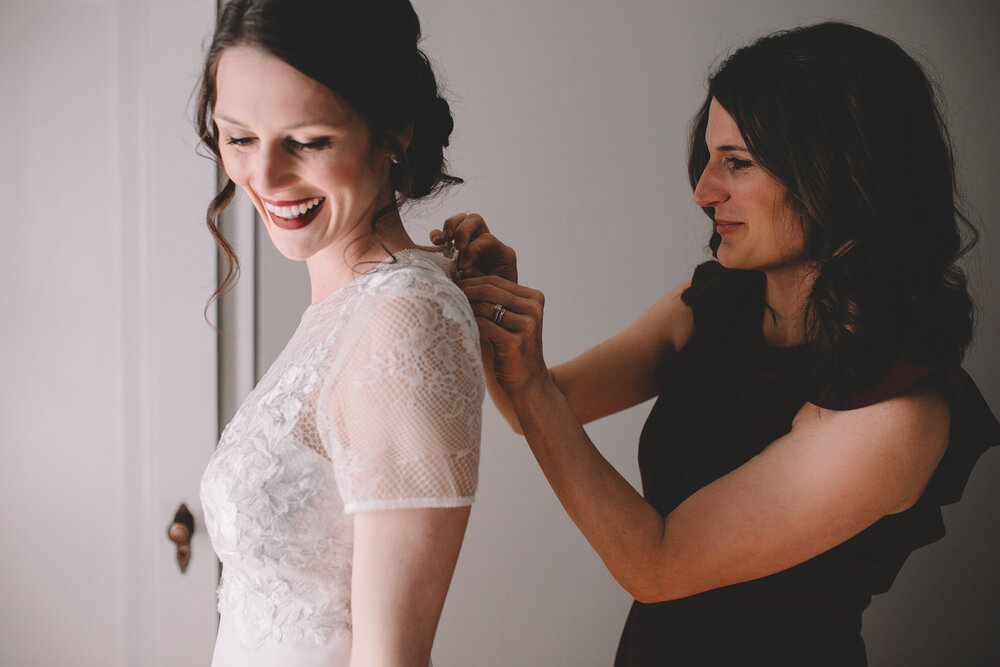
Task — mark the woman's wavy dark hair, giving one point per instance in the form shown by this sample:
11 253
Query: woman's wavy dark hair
850 125
363 50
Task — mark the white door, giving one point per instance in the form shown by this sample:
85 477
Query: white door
108 408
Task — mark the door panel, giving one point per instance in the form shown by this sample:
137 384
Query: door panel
109 402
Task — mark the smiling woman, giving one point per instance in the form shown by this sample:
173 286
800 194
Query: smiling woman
756 229
338 496
812 416
302 155
381 116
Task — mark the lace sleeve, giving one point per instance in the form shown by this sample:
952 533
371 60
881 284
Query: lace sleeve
400 415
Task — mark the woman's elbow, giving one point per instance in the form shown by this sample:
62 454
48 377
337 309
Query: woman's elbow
651 594
652 589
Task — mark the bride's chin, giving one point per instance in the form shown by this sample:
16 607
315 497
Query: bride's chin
294 252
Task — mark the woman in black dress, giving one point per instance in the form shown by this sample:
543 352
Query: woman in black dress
812 414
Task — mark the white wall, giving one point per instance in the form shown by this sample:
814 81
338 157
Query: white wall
571 133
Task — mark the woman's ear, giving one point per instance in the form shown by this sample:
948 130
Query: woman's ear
405 136
397 143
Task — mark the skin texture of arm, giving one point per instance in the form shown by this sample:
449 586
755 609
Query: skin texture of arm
833 475
403 563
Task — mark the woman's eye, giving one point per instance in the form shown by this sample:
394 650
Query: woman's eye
239 141
314 145
737 164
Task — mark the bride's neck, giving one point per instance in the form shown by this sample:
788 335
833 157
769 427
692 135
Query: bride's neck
355 254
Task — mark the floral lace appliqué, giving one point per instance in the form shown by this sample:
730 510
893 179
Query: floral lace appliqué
274 492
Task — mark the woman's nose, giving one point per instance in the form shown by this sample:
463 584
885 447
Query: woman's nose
274 169
709 191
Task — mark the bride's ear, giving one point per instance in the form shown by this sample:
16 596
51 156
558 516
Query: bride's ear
405 136
398 143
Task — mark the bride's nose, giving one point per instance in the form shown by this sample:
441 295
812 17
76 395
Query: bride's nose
274 170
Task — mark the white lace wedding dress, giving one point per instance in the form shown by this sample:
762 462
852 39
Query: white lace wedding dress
375 403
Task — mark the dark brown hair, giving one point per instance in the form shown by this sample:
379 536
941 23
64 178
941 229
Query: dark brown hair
365 51
848 122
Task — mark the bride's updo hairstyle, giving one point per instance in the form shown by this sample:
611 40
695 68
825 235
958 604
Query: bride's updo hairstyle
848 122
365 51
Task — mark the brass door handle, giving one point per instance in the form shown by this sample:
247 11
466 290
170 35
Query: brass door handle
180 532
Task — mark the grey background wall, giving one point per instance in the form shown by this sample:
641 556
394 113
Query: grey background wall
571 132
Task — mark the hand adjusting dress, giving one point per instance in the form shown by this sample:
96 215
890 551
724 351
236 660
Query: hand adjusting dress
723 398
375 403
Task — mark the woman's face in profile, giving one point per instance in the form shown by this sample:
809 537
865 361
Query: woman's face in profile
302 154
758 230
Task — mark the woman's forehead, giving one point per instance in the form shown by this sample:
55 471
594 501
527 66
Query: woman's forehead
254 86
721 132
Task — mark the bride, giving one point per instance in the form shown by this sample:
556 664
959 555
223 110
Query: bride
338 497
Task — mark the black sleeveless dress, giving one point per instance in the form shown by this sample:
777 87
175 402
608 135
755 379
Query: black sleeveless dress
727 395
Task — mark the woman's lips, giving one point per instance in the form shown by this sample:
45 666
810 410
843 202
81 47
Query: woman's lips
726 226
284 213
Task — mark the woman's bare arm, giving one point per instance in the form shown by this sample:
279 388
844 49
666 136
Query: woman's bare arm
403 564
832 476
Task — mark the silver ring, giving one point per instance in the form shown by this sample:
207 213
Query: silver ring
498 312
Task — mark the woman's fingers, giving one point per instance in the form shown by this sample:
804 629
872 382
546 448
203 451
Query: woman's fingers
510 322
466 230
459 229
506 316
444 235
509 315
496 289
486 255
480 253
502 316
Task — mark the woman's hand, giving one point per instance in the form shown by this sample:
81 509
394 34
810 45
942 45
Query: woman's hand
510 324
509 316
479 252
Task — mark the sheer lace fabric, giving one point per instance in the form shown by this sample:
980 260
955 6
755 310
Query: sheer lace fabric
375 403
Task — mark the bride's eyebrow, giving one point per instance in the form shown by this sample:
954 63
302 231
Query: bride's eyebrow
316 123
228 120
326 123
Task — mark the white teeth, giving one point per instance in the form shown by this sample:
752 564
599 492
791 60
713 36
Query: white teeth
292 211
